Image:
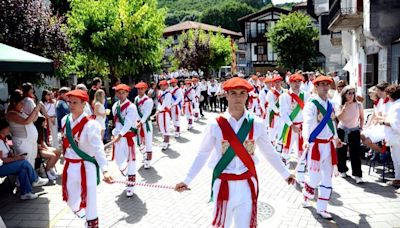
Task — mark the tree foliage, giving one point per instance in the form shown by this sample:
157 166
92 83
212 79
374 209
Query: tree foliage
293 38
124 34
198 49
30 25
226 15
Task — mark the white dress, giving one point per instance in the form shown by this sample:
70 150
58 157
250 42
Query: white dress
101 120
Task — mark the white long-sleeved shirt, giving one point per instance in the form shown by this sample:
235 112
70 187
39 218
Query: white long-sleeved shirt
164 101
212 88
310 122
197 90
89 141
287 105
263 98
307 87
190 96
144 107
272 99
130 116
178 94
211 145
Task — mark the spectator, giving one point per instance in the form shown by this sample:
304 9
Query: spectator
29 98
351 120
17 165
152 93
22 128
133 93
99 110
337 97
62 108
49 111
375 99
96 84
88 108
112 92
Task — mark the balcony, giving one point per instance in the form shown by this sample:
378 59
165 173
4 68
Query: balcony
336 38
345 14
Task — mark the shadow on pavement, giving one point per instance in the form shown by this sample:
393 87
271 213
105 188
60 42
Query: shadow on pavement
172 154
374 188
182 139
194 131
338 221
134 207
149 175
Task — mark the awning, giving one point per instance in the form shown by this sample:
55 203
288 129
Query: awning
16 60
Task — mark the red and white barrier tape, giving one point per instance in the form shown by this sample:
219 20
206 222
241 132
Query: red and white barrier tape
143 184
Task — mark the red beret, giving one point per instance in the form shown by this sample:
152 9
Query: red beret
237 83
187 81
122 87
322 78
268 80
296 77
141 85
81 94
277 78
173 80
163 83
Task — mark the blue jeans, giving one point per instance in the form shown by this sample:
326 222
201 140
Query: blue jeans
24 170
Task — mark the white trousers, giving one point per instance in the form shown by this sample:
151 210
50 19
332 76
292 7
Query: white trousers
239 206
54 134
74 188
148 137
123 157
323 178
395 152
28 146
275 131
196 110
175 115
297 148
164 121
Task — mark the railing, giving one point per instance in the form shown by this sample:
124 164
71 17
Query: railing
344 7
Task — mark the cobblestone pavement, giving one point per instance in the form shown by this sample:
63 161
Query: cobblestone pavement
372 204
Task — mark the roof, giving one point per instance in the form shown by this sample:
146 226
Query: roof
184 26
263 11
301 4
17 60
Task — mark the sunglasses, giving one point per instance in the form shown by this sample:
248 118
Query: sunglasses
351 93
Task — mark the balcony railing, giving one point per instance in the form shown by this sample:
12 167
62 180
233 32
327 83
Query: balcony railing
345 14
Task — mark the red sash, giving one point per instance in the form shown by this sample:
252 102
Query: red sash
316 155
123 107
245 157
276 93
297 99
300 139
76 130
83 182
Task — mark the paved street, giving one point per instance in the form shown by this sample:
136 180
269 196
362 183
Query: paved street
372 204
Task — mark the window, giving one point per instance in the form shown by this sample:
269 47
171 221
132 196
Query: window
272 56
261 29
260 51
270 24
253 30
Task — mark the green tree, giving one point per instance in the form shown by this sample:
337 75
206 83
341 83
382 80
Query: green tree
293 38
125 34
226 15
198 49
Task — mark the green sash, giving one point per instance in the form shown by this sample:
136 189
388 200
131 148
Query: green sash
272 113
78 151
230 153
122 120
322 110
292 116
141 114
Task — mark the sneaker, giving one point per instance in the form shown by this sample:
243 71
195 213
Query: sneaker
359 180
165 146
177 134
393 183
190 127
81 213
129 191
305 203
40 182
29 196
50 176
325 214
147 164
343 175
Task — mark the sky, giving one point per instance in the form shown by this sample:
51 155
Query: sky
285 1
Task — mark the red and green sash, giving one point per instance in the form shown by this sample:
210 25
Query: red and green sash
300 105
236 148
119 116
272 114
